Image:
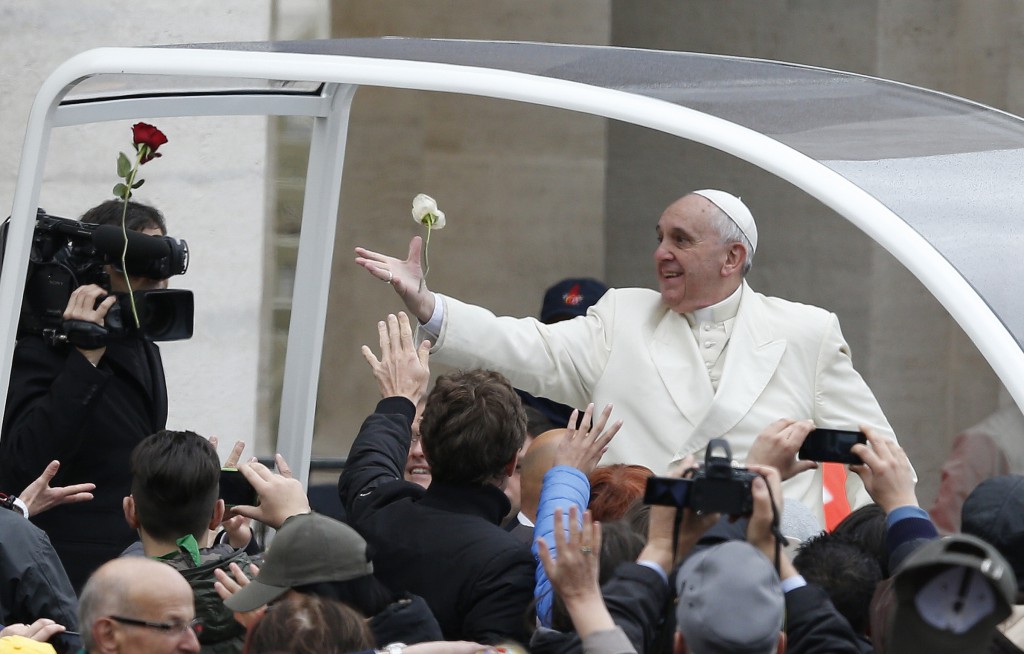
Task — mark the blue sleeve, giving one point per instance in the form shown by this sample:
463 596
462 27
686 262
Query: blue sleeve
562 487
907 528
904 512
908 523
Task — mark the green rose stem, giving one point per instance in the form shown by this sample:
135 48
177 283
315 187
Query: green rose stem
146 139
142 151
426 250
426 213
429 221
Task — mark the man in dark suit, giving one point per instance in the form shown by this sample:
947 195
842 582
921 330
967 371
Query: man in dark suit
88 408
443 543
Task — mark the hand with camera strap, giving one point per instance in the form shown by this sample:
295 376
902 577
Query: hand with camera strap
84 320
673 531
763 530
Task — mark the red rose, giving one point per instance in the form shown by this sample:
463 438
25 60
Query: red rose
146 136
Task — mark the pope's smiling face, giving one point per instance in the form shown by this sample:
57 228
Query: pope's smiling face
695 268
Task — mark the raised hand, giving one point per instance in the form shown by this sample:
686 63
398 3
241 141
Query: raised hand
777 446
576 570
574 574
582 447
886 472
281 496
405 276
39 496
238 527
402 369
226 586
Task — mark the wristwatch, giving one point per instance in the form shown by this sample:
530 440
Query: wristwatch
13 503
393 648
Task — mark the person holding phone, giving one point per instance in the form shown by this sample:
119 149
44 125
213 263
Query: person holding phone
703 357
175 504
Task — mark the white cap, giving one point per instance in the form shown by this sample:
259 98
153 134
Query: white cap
738 212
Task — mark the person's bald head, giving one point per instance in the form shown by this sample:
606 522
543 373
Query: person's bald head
133 589
538 460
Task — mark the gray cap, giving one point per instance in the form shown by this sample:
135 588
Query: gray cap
308 548
730 600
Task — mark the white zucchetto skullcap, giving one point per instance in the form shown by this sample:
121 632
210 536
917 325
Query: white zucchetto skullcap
738 212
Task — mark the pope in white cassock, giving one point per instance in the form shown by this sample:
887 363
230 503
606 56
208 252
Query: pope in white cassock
704 357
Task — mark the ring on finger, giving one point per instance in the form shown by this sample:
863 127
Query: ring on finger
391 276
587 550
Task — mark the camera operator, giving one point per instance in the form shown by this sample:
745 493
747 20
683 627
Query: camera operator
87 407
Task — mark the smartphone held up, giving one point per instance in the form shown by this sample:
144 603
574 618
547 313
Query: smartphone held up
235 489
832 445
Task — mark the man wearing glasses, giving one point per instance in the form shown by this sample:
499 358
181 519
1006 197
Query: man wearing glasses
135 604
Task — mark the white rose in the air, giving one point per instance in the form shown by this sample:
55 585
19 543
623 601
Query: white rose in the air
425 212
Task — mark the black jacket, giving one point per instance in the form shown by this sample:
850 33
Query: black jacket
444 544
637 598
407 620
61 407
33 584
813 625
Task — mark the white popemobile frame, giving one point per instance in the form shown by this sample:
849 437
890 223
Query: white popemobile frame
339 76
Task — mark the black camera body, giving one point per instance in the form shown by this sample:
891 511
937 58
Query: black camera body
67 254
718 487
714 487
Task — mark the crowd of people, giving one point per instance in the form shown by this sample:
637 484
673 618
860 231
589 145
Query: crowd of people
483 513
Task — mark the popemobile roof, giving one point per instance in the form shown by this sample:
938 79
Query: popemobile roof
950 168
935 179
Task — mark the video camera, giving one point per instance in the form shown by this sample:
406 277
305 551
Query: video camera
714 487
67 254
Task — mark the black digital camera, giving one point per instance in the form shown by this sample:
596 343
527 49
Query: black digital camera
715 487
67 254
718 487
